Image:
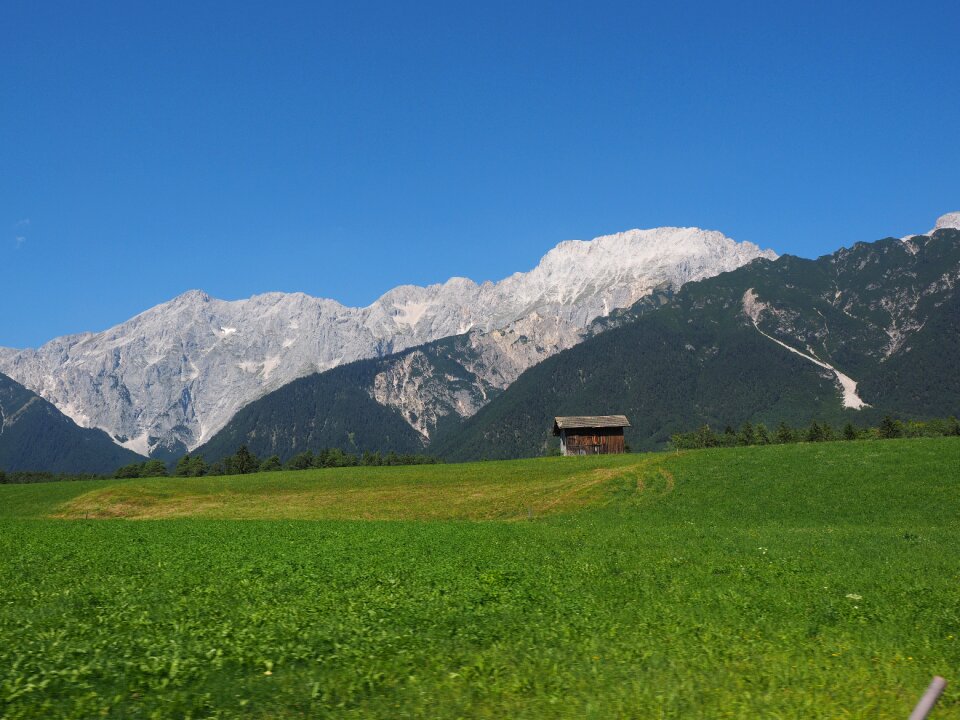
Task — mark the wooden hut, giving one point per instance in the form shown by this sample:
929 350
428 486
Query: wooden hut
591 434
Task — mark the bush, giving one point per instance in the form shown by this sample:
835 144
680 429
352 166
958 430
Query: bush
271 464
890 428
815 432
154 468
129 471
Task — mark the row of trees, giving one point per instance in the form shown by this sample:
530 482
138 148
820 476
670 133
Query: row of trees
18 477
244 462
750 434
150 468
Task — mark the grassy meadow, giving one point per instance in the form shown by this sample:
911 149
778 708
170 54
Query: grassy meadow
814 580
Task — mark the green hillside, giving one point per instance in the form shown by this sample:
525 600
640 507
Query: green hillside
885 313
335 408
332 409
34 435
811 580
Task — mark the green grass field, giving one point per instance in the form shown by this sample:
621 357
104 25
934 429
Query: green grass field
798 581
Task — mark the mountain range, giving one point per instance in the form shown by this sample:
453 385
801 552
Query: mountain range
169 379
674 327
849 337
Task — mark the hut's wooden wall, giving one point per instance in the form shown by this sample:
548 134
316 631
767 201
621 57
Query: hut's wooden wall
594 441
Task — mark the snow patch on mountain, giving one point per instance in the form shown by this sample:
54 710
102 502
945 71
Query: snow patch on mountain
175 374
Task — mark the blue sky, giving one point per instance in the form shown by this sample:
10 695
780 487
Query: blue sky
341 149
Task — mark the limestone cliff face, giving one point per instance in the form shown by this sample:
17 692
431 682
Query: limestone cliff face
171 377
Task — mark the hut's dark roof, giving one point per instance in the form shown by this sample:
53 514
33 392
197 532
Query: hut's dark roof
589 421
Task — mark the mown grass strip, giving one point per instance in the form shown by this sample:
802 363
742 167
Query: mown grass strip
479 491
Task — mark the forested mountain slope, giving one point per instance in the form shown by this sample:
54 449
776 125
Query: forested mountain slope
34 435
875 327
338 408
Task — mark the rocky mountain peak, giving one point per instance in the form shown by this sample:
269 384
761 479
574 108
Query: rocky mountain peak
949 220
174 375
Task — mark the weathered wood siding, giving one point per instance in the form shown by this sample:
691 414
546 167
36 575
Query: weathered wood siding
593 441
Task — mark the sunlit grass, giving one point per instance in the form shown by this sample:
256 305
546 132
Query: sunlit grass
814 581
477 491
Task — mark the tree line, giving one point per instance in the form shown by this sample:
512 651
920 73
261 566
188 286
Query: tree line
244 462
816 431
20 477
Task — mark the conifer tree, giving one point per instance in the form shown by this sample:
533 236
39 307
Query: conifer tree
889 428
761 434
849 432
784 433
134 470
953 426
271 464
245 462
183 466
706 437
814 432
301 461
154 468
198 466
336 458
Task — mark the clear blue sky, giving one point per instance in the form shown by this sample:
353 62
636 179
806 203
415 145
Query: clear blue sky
342 149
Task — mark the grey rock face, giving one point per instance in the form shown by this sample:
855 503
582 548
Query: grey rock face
174 375
426 389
